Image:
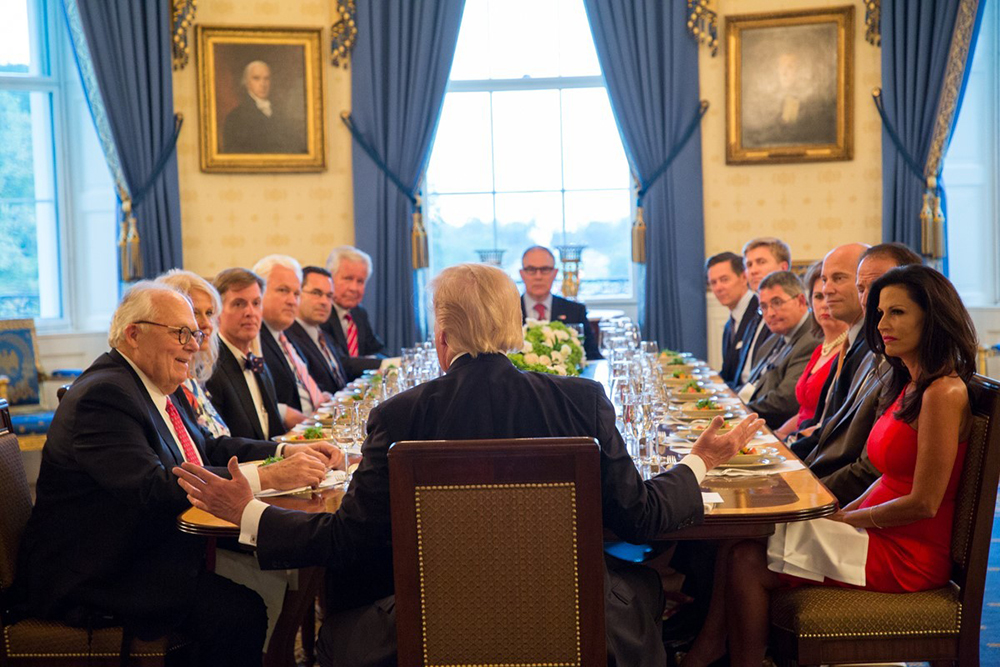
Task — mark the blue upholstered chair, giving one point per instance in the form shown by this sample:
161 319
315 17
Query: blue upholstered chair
21 381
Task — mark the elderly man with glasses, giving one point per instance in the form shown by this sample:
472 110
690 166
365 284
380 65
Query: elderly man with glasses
538 271
102 544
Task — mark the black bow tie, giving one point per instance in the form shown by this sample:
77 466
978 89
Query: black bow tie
254 363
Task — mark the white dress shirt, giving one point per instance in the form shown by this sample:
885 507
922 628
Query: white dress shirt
529 307
251 380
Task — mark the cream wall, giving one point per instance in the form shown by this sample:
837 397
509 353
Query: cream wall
235 219
812 206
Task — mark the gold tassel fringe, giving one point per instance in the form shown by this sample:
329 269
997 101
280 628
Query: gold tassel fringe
129 250
639 238
932 242
418 240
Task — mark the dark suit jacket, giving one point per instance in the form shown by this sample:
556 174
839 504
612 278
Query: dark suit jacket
774 400
229 394
572 312
247 130
104 523
837 452
369 344
835 393
315 361
483 397
286 386
745 358
732 354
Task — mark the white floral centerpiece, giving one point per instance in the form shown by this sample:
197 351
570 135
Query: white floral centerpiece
550 347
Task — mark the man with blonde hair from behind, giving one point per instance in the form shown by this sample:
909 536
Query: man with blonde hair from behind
482 395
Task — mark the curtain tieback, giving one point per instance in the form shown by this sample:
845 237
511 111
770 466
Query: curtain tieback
418 235
643 185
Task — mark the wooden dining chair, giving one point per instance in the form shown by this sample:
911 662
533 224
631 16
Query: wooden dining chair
497 552
814 625
37 642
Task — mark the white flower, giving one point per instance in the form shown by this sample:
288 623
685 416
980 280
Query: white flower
531 358
529 322
546 330
575 334
562 334
566 350
560 369
545 360
527 348
558 357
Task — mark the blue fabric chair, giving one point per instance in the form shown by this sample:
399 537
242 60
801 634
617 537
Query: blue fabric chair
21 380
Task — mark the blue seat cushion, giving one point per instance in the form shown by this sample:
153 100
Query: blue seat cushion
31 423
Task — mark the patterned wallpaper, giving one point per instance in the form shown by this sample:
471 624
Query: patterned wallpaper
813 206
235 219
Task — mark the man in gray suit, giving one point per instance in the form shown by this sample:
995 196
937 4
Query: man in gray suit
837 451
770 392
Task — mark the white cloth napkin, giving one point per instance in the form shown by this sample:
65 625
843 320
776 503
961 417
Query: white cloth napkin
819 548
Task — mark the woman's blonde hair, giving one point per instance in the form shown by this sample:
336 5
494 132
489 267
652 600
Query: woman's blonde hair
188 282
479 309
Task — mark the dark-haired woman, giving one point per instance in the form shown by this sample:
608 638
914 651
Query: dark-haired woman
901 526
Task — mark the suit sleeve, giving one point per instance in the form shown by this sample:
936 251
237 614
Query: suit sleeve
111 445
371 344
590 339
852 480
634 509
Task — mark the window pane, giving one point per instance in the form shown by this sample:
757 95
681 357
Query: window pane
526 140
601 220
577 55
527 219
21 36
29 274
522 39
458 226
472 55
462 159
593 156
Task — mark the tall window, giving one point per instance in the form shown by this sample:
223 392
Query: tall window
971 174
527 151
51 172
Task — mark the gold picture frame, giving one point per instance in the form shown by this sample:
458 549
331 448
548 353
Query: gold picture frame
789 86
260 99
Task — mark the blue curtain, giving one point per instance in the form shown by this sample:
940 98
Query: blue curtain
400 67
926 50
123 52
650 63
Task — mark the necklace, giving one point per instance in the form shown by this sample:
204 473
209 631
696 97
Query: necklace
833 344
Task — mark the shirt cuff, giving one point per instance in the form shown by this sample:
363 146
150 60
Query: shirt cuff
282 410
250 471
250 522
280 449
696 464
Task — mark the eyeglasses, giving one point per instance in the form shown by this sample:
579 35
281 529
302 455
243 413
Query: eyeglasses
320 294
184 334
538 270
773 304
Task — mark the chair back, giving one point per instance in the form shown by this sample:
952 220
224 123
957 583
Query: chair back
975 506
15 500
497 552
19 361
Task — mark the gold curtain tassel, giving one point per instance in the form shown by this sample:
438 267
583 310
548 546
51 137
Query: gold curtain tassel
926 223
938 228
639 238
134 250
418 241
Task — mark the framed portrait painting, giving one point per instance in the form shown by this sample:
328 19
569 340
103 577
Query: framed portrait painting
260 99
789 86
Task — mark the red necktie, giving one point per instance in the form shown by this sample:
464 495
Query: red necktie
301 374
190 453
540 309
352 335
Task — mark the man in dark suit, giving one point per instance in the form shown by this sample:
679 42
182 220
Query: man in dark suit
728 282
316 345
241 387
481 395
836 452
771 389
761 256
298 394
538 271
359 346
102 538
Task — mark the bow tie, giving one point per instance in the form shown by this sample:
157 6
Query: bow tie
254 363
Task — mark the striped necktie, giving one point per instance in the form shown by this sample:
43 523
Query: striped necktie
352 335
190 453
331 360
301 374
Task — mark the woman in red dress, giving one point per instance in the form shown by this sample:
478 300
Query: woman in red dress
834 332
916 319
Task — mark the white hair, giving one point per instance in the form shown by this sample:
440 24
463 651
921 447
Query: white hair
246 70
139 303
351 254
189 282
265 265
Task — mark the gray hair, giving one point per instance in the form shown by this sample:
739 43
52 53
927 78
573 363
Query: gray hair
478 307
246 70
188 282
351 254
265 265
139 303
786 280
